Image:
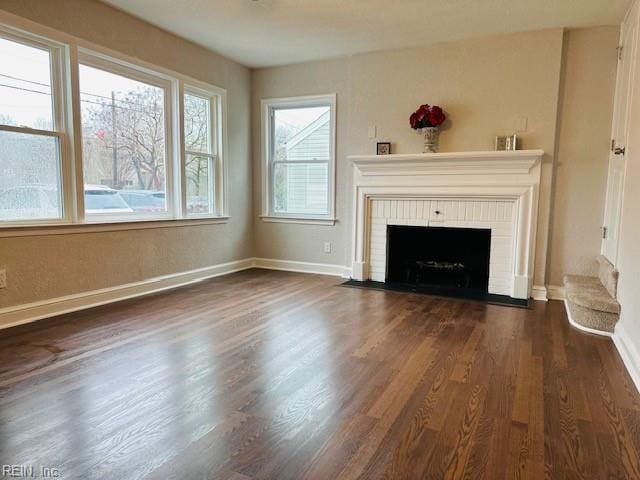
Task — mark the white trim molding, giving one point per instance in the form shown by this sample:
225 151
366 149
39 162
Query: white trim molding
67 54
507 176
302 267
539 292
21 314
449 163
267 107
299 220
549 292
70 229
628 352
30 312
555 292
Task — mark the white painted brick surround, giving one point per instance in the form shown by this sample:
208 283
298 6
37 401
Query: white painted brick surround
487 214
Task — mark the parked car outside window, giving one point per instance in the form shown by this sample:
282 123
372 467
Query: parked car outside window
29 202
99 199
41 201
144 200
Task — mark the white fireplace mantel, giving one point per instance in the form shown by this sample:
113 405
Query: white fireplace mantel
508 177
450 163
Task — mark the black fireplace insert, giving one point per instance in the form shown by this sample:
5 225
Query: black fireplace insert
440 259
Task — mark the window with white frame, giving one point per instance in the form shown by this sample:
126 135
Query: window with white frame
127 162
201 159
31 135
299 148
148 145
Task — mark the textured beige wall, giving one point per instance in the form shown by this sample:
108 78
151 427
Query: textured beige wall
483 84
44 267
585 114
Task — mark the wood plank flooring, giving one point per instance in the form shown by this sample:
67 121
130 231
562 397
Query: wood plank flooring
274 375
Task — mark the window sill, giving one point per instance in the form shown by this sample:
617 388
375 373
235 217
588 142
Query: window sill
93 227
299 220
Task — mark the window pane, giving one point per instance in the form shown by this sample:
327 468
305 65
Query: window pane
197 129
25 86
123 142
29 177
301 188
302 134
199 185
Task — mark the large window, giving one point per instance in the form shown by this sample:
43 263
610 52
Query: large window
30 142
125 142
299 150
126 161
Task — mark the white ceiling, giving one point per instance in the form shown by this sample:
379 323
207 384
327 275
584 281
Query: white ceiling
276 32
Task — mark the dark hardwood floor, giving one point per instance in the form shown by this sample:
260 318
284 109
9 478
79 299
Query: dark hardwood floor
273 375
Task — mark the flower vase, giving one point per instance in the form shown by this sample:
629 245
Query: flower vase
431 135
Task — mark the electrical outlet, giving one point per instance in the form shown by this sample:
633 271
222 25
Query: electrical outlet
327 247
3 278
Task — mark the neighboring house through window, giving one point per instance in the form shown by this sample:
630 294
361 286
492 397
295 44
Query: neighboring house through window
299 150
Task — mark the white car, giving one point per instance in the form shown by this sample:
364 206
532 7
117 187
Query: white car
99 199
30 202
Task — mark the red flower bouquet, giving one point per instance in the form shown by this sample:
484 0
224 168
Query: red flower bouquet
427 116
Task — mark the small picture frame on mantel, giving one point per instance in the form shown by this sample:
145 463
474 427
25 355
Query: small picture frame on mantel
383 148
507 142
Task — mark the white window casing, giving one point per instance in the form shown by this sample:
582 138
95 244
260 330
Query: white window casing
306 193
66 54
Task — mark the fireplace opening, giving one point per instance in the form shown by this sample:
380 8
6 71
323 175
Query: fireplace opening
450 261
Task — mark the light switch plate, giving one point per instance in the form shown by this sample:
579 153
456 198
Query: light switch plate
372 131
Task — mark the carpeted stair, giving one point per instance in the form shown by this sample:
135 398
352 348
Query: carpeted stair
591 301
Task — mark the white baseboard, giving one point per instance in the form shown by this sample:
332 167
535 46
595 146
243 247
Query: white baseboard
31 312
582 327
303 267
549 292
539 292
628 352
555 292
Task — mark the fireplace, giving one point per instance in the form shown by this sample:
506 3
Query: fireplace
439 259
489 193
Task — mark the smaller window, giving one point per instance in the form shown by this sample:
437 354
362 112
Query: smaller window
300 152
202 168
